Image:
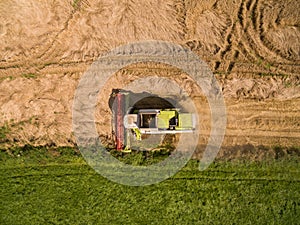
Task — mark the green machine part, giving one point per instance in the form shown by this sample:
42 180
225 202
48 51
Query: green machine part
164 117
185 121
137 133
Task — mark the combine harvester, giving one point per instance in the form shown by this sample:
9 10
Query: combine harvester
146 121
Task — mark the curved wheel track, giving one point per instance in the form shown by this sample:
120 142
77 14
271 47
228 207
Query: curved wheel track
254 26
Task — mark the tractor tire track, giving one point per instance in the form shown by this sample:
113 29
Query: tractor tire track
50 51
255 43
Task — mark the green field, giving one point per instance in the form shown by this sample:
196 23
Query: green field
42 186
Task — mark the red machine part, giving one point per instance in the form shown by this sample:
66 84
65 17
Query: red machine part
119 121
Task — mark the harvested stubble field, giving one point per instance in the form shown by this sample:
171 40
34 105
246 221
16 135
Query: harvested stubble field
252 47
